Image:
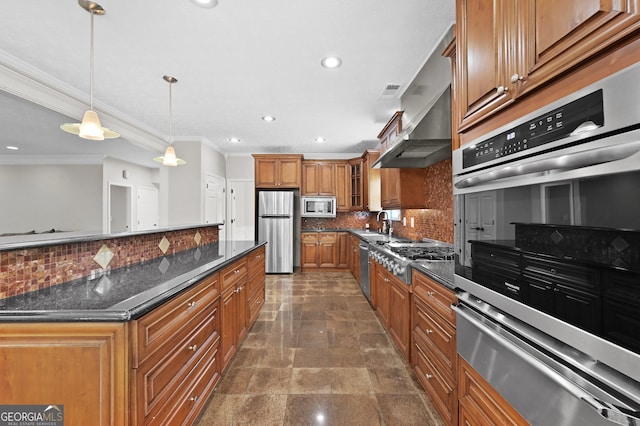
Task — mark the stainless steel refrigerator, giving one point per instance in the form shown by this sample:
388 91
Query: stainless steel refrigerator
275 225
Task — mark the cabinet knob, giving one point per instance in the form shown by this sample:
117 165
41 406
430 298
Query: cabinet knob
191 305
193 398
193 348
553 271
501 89
431 293
428 376
428 331
516 77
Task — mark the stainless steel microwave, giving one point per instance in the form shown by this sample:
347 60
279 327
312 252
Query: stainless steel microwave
318 206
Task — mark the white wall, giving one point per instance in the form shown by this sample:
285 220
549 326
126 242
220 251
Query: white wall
241 167
65 197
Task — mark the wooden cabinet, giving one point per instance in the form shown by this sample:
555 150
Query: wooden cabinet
356 184
354 257
324 250
233 306
403 188
343 190
390 131
433 351
175 362
391 297
82 366
371 182
480 404
400 314
507 49
318 178
278 171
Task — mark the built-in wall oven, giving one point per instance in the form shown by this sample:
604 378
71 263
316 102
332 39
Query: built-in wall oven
547 242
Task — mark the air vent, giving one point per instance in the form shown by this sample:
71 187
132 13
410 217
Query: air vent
390 91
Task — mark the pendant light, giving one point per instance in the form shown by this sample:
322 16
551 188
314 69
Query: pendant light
90 127
169 158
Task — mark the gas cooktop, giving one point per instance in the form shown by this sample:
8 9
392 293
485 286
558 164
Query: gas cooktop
425 250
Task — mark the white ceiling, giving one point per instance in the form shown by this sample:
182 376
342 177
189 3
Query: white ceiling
234 63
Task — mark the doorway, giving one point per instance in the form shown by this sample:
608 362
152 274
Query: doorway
119 208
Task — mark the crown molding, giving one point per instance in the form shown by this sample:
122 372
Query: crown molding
51 160
23 80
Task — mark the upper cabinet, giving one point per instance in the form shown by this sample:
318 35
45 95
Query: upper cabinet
370 182
318 178
278 171
506 48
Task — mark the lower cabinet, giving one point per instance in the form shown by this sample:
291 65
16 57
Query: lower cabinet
391 298
80 367
324 251
480 404
235 322
433 333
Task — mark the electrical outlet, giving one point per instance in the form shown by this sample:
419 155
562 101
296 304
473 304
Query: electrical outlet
413 222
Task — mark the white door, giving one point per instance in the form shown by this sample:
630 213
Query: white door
242 210
147 208
479 220
215 204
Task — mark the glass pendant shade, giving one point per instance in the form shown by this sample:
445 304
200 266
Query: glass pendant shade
90 127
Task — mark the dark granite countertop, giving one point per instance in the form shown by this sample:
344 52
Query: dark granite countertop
127 293
441 271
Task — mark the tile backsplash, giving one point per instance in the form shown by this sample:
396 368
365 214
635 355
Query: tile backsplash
30 269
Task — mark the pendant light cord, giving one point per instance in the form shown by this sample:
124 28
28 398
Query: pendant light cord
91 65
170 116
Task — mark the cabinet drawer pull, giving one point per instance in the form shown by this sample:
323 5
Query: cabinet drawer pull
193 398
428 331
501 89
516 77
191 305
428 376
193 348
431 293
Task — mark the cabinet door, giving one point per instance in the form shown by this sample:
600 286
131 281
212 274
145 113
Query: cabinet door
580 308
229 338
309 251
390 188
560 35
399 315
382 294
343 249
356 188
484 51
327 179
266 172
309 178
289 172
328 250
343 181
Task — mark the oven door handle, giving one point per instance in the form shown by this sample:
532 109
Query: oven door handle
569 161
608 411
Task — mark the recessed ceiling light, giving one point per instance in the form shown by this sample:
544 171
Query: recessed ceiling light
13 148
206 3
331 62
233 140
319 139
268 118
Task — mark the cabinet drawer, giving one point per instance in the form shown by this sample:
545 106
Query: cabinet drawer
327 237
255 261
310 237
187 404
161 376
508 259
255 303
434 295
255 284
440 387
233 273
437 333
577 276
165 325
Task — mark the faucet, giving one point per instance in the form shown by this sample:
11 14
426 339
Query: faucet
383 227
379 213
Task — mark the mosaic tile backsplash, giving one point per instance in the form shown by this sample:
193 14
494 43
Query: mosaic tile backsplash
619 248
22 271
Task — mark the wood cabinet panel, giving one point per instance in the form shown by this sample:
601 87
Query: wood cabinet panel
436 296
382 294
403 188
371 182
343 187
232 274
41 365
439 334
318 178
440 386
481 404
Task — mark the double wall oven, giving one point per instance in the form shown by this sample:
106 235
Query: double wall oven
547 243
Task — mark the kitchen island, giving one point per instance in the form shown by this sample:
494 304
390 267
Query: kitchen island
139 344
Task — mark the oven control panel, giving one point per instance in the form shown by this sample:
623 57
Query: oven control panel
550 127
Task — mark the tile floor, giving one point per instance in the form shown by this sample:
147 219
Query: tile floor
317 355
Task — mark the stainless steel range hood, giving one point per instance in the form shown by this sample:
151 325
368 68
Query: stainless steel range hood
427 143
426 136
